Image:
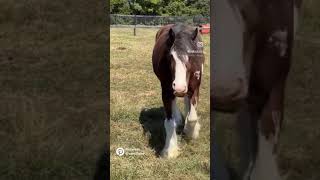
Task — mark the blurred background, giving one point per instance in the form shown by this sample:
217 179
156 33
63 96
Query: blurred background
53 88
299 148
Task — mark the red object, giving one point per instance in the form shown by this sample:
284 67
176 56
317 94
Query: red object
205 29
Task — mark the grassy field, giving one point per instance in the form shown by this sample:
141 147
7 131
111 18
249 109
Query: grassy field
52 77
299 143
136 103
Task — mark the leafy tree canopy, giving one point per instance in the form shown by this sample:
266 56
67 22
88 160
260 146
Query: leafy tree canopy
161 7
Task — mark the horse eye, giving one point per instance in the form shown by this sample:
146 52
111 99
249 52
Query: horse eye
188 65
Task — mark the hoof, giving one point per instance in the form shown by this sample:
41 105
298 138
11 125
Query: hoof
192 130
170 153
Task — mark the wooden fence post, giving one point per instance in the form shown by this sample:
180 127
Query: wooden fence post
135 24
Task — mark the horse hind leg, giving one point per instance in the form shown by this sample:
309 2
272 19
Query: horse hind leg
176 112
192 126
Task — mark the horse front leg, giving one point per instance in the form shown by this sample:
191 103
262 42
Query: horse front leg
171 149
247 133
192 126
269 124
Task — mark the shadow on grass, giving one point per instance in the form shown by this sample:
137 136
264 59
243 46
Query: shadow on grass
152 122
152 119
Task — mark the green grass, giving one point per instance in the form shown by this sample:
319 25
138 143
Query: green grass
135 98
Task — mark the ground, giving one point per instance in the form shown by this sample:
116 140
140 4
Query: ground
136 106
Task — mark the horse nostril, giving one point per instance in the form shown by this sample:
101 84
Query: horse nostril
179 88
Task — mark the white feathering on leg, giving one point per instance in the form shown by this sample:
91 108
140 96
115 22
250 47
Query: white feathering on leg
192 126
171 149
265 167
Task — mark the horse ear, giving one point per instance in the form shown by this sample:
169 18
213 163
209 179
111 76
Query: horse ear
171 35
195 34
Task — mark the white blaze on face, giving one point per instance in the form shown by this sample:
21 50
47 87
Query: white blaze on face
180 70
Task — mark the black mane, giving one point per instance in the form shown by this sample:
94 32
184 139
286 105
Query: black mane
184 38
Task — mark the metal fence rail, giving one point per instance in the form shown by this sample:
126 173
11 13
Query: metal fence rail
157 21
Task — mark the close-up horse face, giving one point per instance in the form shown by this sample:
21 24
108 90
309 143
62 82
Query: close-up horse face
229 72
186 59
235 50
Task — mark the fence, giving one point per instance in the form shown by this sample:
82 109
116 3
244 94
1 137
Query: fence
308 26
117 20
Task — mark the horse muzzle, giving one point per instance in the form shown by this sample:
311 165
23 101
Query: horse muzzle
180 93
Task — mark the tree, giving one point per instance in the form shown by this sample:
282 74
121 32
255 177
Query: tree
202 7
162 7
120 7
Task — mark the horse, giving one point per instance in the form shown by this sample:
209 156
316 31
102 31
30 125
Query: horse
177 61
252 45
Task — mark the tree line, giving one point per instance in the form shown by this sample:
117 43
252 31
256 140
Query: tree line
161 7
